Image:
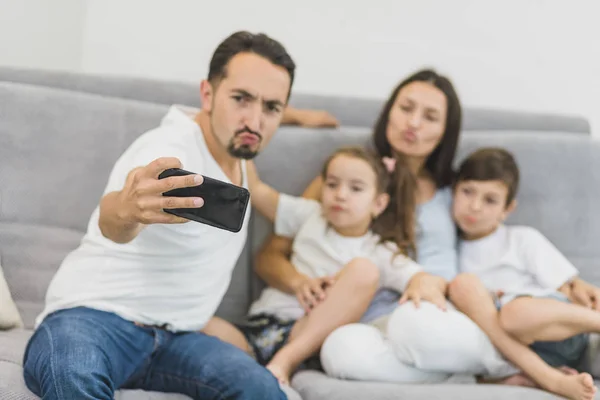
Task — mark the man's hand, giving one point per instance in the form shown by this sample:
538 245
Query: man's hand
317 119
424 286
311 291
124 213
309 118
584 294
141 200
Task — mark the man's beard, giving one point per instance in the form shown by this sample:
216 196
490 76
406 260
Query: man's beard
244 151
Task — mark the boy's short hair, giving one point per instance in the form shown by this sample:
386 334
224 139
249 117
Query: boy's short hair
491 164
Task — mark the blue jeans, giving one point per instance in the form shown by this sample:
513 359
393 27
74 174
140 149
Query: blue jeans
82 353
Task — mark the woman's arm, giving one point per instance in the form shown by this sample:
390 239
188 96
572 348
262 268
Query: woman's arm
272 262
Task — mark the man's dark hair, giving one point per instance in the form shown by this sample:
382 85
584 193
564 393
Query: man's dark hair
491 164
247 42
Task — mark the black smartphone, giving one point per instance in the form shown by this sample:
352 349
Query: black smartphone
224 206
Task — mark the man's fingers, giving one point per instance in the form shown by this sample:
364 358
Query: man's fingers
175 182
157 166
159 217
180 202
331 121
158 204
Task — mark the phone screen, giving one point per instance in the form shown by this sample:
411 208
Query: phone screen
224 206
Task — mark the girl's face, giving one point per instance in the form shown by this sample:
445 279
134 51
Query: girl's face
417 120
350 197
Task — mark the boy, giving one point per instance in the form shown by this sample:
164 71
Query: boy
514 282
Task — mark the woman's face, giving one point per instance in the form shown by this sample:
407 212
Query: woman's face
417 119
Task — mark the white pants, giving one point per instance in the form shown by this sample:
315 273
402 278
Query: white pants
424 345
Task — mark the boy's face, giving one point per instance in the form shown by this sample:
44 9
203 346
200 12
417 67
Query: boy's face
479 207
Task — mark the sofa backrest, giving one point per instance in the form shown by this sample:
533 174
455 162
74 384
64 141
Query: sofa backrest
57 148
351 111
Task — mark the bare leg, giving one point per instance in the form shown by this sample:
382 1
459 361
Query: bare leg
226 332
346 302
471 297
523 380
534 319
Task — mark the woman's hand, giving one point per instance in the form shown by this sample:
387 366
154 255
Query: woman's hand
311 291
584 294
424 286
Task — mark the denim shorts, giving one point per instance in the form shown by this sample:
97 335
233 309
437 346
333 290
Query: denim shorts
267 334
568 352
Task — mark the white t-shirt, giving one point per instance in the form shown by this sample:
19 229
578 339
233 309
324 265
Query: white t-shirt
318 250
174 274
517 260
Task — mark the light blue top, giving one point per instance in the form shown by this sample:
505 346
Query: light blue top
436 249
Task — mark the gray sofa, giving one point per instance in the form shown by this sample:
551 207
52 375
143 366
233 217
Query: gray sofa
60 134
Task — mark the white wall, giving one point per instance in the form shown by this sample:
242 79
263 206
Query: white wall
539 55
42 33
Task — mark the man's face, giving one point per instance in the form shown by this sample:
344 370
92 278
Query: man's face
246 106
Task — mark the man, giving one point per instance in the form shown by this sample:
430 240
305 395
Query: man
125 308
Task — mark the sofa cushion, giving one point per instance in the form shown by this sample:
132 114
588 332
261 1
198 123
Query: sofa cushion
12 345
9 314
314 385
31 253
57 149
12 385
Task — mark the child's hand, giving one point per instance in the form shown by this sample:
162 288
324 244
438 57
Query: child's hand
585 294
311 292
426 287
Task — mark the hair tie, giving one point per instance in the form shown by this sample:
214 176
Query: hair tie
390 164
